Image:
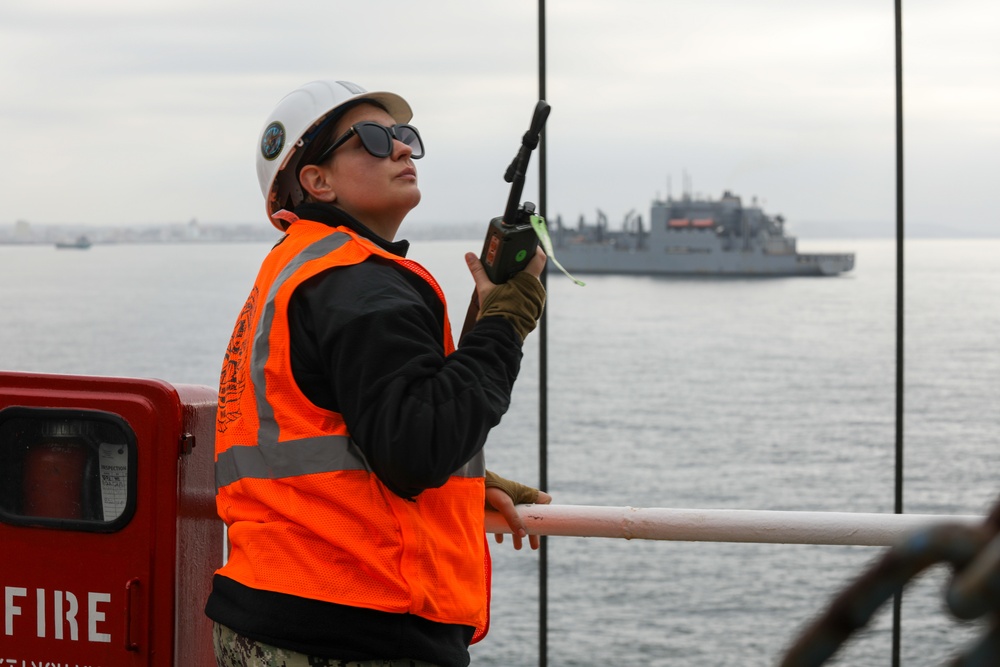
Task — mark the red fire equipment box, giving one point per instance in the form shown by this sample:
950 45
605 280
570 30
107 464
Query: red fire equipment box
108 531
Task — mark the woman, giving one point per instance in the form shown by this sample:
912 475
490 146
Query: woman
349 460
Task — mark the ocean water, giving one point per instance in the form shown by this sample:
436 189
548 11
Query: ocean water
662 392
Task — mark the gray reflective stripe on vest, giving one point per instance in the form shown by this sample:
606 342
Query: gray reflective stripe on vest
331 453
267 429
476 467
288 459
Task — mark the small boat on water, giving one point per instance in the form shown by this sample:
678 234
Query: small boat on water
79 243
693 236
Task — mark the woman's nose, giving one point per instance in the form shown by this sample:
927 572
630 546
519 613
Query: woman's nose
400 150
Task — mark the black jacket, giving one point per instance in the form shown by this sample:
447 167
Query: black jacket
366 342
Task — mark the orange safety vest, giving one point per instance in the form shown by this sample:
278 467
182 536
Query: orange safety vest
306 515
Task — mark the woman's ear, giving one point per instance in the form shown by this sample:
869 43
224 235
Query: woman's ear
316 183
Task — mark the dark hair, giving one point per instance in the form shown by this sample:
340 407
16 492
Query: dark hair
323 135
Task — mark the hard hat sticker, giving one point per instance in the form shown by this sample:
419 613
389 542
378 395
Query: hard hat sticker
273 141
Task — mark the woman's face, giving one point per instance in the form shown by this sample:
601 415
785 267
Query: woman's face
377 191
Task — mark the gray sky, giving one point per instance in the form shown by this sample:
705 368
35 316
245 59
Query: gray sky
147 111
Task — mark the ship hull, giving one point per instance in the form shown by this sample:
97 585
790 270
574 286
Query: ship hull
584 259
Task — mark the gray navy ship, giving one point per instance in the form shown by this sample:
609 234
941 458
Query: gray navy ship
692 236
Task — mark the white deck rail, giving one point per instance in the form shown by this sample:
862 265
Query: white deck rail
721 525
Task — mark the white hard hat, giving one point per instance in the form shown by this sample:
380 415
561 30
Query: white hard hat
289 128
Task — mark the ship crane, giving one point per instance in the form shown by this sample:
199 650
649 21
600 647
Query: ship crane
602 224
632 226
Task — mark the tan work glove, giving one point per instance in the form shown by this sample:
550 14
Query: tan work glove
520 494
505 496
520 301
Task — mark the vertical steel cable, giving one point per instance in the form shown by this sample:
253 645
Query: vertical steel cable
897 603
543 375
543 342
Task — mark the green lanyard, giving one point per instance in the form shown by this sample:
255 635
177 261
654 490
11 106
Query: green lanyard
538 224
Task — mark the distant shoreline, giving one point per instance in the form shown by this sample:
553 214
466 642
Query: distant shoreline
23 233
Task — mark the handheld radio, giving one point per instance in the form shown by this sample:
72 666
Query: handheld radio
511 240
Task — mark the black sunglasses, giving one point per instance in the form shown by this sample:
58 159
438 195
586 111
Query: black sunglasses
377 139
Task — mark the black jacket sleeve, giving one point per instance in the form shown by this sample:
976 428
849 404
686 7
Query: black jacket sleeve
367 341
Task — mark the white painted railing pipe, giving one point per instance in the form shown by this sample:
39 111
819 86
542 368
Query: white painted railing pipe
720 525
